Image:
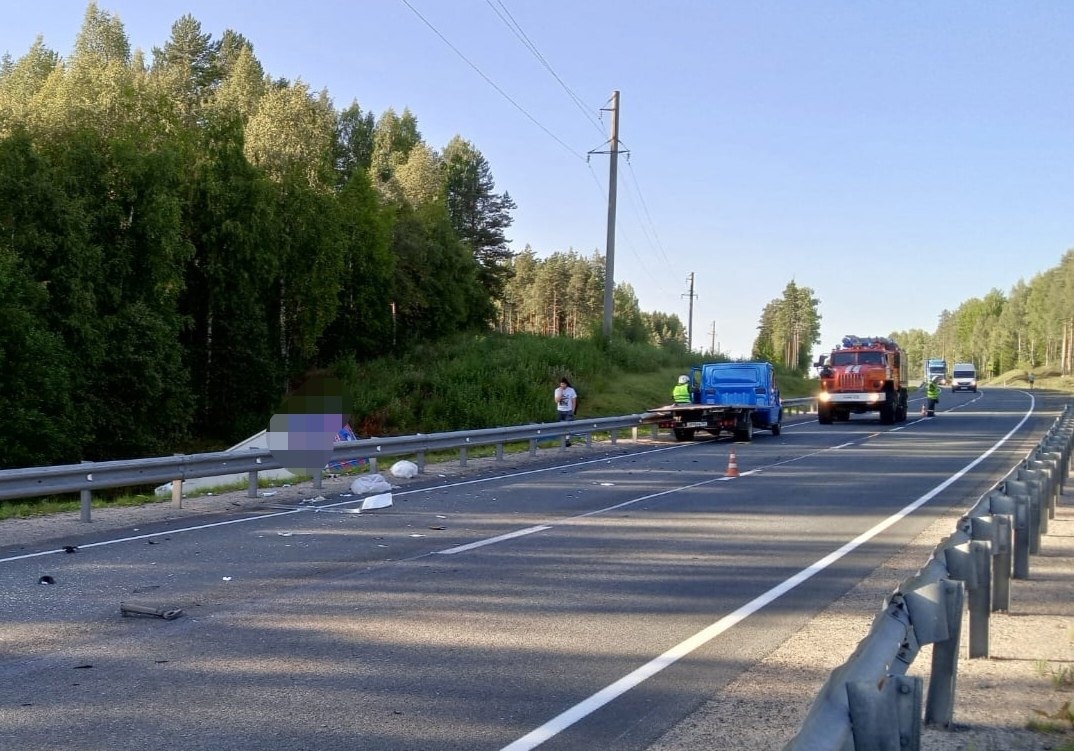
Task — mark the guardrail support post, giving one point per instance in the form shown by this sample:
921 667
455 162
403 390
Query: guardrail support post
1031 490
1001 563
1022 541
85 497
373 465
613 436
420 461
980 599
177 489
888 719
499 452
463 451
940 702
533 447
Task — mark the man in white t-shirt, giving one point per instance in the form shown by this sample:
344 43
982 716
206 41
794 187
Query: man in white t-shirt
566 401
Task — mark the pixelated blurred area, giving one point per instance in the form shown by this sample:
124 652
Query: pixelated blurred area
310 421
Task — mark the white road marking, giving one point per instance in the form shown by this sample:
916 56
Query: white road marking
494 540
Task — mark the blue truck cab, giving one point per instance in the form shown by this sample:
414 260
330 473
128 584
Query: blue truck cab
728 396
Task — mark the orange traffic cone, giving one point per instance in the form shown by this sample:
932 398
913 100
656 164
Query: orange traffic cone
732 465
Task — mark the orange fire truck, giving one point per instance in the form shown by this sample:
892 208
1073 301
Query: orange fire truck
865 374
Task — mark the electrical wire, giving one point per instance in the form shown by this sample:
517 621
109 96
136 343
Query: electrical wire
511 23
488 80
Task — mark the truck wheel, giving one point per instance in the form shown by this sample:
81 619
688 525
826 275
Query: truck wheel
745 435
683 434
824 414
776 428
887 412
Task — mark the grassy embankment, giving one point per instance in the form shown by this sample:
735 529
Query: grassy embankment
470 382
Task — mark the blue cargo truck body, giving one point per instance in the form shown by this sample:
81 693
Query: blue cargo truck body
733 397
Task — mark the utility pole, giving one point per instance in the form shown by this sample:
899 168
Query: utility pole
609 252
690 319
712 333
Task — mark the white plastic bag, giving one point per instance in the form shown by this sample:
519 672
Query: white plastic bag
370 484
405 469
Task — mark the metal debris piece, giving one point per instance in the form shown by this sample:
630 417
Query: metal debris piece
46 579
168 614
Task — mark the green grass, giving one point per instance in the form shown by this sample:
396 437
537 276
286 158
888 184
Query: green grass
469 382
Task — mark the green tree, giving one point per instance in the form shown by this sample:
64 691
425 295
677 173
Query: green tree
479 215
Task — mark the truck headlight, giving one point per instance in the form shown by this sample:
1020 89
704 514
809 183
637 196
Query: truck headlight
824 396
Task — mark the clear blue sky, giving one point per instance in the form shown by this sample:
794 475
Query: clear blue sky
897 158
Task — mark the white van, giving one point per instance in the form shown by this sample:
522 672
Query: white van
963 377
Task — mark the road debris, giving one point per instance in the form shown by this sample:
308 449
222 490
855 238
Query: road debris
131 608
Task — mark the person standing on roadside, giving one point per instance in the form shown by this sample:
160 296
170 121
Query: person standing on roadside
566 402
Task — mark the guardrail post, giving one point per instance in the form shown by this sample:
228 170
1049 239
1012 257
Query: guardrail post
980 598
463 451
533 447
373 465
969 563
85 497
1030 489
177 489
251 480
613 435
1042 476
318 478
499 452
888 717
1001 562
420 461
1022 536
940 702
1049 452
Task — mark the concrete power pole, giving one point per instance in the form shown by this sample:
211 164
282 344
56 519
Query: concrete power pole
690 318
609 253
712 333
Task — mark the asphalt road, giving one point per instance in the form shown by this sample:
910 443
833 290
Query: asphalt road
589 605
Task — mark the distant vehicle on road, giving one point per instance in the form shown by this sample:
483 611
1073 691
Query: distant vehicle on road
934 368
964 377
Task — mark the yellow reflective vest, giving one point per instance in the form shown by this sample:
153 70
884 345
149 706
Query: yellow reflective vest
681 393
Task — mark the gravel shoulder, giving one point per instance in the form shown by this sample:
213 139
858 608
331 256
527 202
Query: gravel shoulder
1030 647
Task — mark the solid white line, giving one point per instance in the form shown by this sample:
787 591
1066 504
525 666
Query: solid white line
587 706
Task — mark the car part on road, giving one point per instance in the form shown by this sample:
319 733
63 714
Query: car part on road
130 608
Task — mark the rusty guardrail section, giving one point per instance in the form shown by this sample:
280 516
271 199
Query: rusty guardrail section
869 704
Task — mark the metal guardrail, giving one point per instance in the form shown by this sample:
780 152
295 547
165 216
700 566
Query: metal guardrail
869 704
90 476
87 477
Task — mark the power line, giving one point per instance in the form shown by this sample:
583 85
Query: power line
520 33
488 80
648 216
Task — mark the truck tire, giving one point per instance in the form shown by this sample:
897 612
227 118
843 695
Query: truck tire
744 434
683 434
776 428
901 409
887 408
824 414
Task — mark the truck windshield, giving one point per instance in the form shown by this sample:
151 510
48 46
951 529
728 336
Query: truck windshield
857 358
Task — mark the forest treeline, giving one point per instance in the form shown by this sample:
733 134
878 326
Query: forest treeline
182 236
1032 326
